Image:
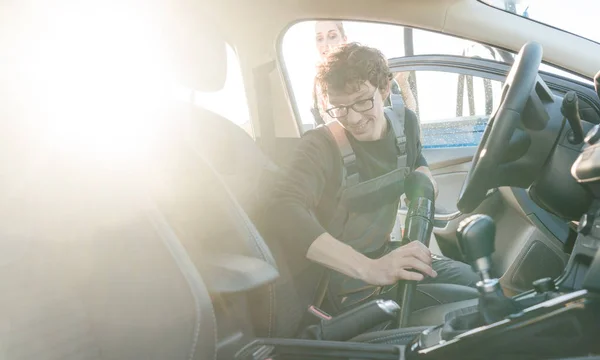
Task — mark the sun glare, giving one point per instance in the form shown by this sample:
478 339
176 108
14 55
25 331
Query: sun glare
102 79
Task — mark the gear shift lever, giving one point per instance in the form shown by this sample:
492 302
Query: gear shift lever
476 235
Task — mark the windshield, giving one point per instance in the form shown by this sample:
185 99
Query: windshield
579 17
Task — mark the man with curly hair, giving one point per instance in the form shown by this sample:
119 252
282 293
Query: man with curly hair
330 34
336 202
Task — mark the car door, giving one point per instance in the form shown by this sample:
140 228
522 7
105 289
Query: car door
455 92
455 98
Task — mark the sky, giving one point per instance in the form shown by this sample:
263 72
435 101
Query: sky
438 98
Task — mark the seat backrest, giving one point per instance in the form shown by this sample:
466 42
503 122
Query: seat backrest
87 269
85 273
247 173
234 155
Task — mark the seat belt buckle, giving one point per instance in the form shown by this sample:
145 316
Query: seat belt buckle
318 313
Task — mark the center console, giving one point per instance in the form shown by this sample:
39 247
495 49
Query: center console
560 318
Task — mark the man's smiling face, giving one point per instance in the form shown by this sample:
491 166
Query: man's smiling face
360 111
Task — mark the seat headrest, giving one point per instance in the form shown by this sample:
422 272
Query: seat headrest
197 45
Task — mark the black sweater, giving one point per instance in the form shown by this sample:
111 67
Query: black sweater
304 194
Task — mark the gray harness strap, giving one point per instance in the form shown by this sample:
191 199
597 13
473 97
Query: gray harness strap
350 171
350 177
365 211
396 115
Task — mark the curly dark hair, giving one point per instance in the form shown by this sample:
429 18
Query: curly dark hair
348 66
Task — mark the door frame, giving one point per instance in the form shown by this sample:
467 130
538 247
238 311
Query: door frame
493 70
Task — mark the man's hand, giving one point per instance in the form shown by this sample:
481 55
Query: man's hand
396 266
386 270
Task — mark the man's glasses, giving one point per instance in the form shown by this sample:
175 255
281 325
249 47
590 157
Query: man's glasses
359 106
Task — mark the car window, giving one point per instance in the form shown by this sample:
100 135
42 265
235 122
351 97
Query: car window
230 102
300 54
453 108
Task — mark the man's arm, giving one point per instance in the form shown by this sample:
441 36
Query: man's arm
297 192
387 270
296 195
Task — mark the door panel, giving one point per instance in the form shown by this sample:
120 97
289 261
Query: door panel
530 242
449 167
453 158
450 184
454 109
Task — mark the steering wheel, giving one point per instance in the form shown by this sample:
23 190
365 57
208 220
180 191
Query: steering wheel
501 126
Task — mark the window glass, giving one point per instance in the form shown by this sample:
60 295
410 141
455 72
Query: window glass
301 55
303 43
428 43
454 108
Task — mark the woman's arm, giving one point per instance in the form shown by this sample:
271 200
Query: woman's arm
406 91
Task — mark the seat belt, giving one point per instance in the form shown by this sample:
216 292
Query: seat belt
264 105
396 114
349 177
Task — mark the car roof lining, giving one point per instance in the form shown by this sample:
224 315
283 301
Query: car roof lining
265 21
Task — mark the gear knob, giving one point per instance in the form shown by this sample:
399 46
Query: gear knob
476 235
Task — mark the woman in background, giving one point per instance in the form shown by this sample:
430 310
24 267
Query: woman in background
328 35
